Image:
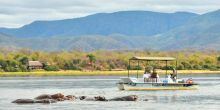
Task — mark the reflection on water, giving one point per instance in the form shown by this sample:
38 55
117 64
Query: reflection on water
11 88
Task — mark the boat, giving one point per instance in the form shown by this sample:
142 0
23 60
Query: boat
138 84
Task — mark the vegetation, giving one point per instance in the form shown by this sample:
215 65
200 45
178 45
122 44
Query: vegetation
95 73
17 61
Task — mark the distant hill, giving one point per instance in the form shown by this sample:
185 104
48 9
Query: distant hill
7 41
129 23
84 43
201 32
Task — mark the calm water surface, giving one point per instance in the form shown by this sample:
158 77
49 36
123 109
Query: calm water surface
11 88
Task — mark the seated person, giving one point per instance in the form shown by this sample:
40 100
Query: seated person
154 75
147 75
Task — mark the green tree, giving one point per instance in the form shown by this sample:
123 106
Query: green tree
24 60
92 58
218 59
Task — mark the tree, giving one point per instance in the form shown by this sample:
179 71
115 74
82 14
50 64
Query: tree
218 59
24 60
92 58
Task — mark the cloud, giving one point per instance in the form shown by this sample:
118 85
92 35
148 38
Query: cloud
16 13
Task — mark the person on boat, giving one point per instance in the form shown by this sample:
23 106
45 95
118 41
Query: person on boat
154 75
147 74
173 75
189 81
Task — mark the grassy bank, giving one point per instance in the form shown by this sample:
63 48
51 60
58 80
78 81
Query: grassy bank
95 73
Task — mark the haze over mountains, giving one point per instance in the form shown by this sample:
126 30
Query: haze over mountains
119 30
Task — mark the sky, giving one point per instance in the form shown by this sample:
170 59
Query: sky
16 13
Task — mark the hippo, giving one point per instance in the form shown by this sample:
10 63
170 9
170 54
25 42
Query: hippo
60 99
96 98
31 101
43 96
125 98
70 97
82 97
88 98
145 100
100 98
24 101
46 101
57 96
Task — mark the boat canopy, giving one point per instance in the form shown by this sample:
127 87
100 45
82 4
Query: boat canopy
153 58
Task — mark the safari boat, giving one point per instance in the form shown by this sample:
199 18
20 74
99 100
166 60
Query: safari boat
138 84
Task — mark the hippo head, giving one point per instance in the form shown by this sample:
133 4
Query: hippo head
134 97
82 97
100 98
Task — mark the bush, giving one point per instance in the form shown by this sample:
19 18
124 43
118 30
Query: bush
213 67
51 68
12 69
111 66
180 67
23 68
206 66
167 68
137 68
186 65
70 66
196 66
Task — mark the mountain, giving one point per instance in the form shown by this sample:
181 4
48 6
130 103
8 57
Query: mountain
129 23
112 31
84 43
8 43
201 32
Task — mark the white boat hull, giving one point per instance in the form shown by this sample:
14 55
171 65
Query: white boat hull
125 84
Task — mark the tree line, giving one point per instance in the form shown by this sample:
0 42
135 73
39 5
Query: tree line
17 61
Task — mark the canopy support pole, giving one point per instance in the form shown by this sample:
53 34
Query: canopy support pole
138 68
166 68
176 68
129 66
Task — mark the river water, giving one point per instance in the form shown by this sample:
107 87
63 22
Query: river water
207 97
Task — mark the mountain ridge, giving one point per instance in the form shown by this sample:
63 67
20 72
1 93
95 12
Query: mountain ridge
197 32
130 23
200 32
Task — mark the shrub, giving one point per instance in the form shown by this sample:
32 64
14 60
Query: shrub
111 66
51 68
12 69
196 66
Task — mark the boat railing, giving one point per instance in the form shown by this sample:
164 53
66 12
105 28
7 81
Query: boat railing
153 80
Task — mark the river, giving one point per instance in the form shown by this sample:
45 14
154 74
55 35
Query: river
207 97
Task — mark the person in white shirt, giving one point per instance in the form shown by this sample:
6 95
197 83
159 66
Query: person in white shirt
147 75
172 76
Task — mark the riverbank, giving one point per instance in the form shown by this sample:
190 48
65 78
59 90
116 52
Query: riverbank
96 73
